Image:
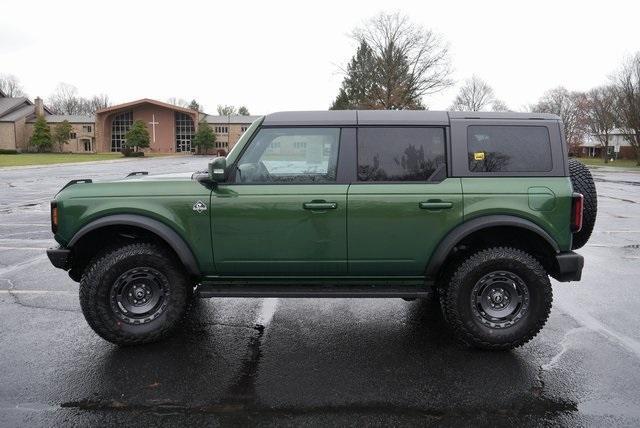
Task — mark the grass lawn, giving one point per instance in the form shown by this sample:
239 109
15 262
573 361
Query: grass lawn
23 159
620 163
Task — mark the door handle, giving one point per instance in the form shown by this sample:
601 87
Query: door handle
319 205
435 205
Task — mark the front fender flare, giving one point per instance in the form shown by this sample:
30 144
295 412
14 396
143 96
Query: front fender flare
166 233
465 229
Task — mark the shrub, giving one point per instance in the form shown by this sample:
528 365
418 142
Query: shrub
8 152
128 153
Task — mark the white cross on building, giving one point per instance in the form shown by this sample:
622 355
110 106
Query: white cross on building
153 124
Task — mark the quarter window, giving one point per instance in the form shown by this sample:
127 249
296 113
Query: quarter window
399 154
290 155
508 148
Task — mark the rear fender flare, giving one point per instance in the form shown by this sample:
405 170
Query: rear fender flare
467 228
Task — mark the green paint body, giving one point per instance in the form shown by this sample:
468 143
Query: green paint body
375 230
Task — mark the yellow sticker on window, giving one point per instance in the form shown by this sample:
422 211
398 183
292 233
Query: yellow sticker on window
479 156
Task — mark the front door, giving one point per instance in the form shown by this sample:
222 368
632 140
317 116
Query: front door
282 212
403 204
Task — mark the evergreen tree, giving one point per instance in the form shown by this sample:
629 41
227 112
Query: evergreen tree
243 111
137 136
204 138
358 84
61 134
193 105
41 137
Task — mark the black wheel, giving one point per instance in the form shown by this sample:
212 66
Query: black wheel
134 294
582 182
497 298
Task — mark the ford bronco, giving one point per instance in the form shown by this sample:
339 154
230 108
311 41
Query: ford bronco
472 210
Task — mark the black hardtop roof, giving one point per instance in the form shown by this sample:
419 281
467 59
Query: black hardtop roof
389 117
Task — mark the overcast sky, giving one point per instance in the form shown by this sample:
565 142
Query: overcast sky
276 55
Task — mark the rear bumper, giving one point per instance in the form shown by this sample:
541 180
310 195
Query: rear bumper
568 266
60 257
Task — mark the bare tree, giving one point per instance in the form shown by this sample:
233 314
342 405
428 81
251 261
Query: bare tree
627 90
571 107
180 102
226 110
65 100
474 95
601 117
410 61
10 86
499 105
98 102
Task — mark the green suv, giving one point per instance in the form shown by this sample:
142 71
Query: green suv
472 210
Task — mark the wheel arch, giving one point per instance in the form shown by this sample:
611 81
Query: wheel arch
159 230
486 224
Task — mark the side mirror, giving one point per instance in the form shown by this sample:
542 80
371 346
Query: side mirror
218 169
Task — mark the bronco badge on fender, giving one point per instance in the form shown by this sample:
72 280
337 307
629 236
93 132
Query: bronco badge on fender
199 207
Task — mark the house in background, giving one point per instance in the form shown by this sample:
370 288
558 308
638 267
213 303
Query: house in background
619 147
14 114
171 128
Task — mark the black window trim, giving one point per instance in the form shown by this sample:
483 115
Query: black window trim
435 178
231 179
481 173
459 152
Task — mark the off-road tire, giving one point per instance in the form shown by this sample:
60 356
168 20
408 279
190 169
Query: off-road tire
456 298
582 182
96 300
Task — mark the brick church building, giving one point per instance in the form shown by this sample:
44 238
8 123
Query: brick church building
171 128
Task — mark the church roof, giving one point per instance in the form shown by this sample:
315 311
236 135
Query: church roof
233 119
19 113
7 105
71 118
145 101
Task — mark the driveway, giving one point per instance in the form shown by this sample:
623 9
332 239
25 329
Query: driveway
296 361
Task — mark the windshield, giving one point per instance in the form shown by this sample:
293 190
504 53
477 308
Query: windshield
237 148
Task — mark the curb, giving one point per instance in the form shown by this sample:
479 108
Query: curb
9 168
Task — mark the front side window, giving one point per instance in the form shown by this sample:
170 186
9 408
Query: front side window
290 155
508 148
399 154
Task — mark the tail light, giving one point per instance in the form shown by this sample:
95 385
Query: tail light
54 216
577 207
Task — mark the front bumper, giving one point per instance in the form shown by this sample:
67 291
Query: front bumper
60 257
568 266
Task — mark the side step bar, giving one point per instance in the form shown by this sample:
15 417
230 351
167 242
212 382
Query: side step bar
317 291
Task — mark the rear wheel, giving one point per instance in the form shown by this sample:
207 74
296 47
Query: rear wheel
497 298
134 294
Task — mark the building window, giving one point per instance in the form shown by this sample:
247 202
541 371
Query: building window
184 132
221 145
72 136
86 128
243 128
119 128
87 145
221 129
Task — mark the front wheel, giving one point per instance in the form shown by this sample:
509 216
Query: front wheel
134 294
498 298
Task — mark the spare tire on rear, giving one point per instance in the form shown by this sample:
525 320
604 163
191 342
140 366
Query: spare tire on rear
582 182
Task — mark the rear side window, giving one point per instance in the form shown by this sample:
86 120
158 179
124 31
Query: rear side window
497 148
399 154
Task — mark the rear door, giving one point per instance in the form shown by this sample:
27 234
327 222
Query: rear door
402 203
283 211
514 167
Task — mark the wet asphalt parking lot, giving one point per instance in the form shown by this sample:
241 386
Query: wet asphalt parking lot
312 362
